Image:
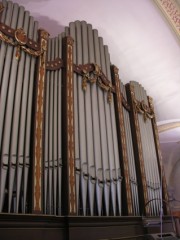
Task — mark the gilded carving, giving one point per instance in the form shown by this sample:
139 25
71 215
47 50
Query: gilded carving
44 34
39 129
139 144
123 140
19 43
141 107
20 36
156 137
70 127
92 73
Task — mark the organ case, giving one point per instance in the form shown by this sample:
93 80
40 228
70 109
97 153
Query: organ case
74 140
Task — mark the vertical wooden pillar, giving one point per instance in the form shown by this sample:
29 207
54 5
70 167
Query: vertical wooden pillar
159 159
68 143
37 173
140 168
126 190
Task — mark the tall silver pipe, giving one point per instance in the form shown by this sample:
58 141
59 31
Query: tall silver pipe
88 116
16 158
4 72
28 119
23 117
8 13
93 55
51 84
72 30
103 132
112 138
82 122
55 123
131 159
59 128
47 138
8 100
155 172
99 119
95 124
147 154
153 156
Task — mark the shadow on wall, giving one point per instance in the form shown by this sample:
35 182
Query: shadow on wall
174 184
171 162
50 25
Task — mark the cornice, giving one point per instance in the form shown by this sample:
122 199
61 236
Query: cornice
168 126
171 11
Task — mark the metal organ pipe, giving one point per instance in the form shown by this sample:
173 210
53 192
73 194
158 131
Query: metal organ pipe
72 32
156 177
104 134
97 132
88 119
82 123
17 150
7 14
16 84
149 153
27 133
100 168
99 153
115 177
145 149
133 179
46 142
4 93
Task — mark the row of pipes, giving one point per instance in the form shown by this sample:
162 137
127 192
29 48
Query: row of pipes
97 160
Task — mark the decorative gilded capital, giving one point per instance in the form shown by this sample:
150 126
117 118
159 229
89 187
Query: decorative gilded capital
150 99
116 70
70 40
44 34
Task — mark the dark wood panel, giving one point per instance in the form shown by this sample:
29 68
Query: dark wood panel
28 227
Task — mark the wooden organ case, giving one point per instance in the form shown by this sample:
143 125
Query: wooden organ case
79 150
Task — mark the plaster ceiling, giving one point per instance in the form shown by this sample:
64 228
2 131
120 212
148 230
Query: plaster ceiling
142 44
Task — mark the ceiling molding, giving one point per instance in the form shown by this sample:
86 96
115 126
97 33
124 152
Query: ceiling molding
168 126
171 11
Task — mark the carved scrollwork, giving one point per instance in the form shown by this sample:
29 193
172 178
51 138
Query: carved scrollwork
19 41
92 73
142 108
20 36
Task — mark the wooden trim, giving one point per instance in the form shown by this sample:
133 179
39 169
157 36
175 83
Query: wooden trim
39 122
68 142
54 65
10 32
140 168
127 198
166 206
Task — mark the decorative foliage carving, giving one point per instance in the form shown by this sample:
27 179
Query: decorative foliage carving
142 108
18 39
92 73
